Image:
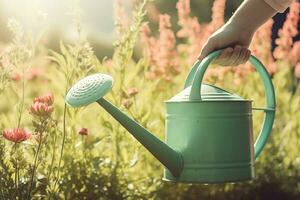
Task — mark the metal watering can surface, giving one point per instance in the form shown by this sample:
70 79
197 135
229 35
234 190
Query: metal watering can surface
208 133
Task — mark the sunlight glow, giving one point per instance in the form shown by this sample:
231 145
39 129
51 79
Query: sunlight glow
96 19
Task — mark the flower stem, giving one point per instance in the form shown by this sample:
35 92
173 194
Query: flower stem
22 100
34 166
62 145
16 167
53 157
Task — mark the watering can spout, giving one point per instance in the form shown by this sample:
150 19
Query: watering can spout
92 89
170 158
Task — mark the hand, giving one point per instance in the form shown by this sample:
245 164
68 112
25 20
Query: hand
234 40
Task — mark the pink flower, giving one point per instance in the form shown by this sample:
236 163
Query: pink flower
109 63
127 103
132 91
83 131
15 75
34 73
16 135
41 109
46 99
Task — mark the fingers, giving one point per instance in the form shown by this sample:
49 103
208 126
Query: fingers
229 57
247 56
243 57
232 57
235 57
223 59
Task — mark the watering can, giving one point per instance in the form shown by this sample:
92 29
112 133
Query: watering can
209 135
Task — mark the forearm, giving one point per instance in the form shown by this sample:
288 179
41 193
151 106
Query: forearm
252 14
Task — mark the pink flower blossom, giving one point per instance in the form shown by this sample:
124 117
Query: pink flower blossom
16 135
41 109
34 73
127 103
46 99
132 91
15 75
83 131
109 63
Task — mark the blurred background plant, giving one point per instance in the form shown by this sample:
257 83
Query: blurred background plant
51 151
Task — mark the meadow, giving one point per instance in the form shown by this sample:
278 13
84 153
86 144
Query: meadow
49 150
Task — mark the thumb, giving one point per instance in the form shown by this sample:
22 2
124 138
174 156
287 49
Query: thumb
208 47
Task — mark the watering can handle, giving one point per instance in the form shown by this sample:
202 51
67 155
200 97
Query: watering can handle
195 79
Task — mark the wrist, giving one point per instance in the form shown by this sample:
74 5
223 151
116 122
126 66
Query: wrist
240 26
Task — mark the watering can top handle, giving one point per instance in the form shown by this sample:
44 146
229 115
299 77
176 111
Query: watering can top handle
200 68
195 79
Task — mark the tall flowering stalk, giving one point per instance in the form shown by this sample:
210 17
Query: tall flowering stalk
261 46
217 17
190 30
161 51
41 110
286 34
194 33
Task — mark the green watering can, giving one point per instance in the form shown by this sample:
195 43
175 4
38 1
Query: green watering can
208 134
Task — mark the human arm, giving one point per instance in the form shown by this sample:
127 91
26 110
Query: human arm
236 35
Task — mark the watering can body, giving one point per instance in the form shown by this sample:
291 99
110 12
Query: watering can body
213 129
214 137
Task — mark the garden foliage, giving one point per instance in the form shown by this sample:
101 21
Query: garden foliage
85 154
